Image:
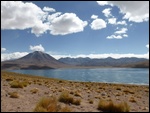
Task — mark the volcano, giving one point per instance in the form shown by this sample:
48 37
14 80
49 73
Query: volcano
35 60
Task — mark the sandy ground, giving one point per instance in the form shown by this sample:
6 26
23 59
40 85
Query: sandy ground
86 90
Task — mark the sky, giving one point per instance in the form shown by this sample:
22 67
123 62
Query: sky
95 29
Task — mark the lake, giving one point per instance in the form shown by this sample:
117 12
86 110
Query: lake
105 75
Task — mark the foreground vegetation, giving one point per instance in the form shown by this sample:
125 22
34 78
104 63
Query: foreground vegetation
54 95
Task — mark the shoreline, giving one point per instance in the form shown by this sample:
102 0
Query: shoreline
137 96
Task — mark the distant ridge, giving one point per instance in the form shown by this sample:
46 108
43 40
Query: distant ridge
34 60
107 62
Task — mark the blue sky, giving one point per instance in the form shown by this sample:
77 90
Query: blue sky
75 29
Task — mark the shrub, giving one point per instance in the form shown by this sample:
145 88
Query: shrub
35 90
13 95
18 84
49 104
65 109
132 99
66 98
9 79
128 91
111 107
118 88
76 102
77 94
91 101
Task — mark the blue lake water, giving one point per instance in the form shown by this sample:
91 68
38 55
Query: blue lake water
106 75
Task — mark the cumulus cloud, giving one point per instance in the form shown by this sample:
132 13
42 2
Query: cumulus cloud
37 48
98 24
14 55
20 15
135 11
48 9
114 36
125 35
123 30
102 3
94 17
118 34
107 12
112 20
121 22
24 15
40 28
66 24
3 49
53 16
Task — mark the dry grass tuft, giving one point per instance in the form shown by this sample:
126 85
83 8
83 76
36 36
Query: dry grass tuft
146 90
77 102
65 97
132 99
118 88
50 104
77 94
128 91
18 84
111 107
9 79
65 109
91 101
35 90
13 94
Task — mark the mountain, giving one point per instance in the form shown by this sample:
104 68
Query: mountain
105 62
144 64
35 60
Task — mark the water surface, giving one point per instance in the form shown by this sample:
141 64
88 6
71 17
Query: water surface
106 75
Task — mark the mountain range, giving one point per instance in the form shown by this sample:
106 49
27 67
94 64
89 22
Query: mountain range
41 60
107 62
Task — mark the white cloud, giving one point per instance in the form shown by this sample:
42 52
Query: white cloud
66 24
135 11
94 16
40 28
53 16
20 15
37 48
15 55
125 35
98 24
107 12
112 20
123 30
102 3
116 56
118 34
121 23
147 46
48 9
3 49
114 36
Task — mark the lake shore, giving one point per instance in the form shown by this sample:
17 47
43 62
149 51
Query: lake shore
89 93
